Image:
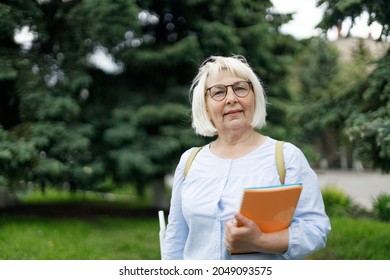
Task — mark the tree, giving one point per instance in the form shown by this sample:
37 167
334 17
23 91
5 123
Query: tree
316 112
16 159
369 125
328 88
161 60
85 124
47 83
336 11
144 145
368 128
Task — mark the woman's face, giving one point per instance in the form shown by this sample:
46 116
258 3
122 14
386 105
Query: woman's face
233 112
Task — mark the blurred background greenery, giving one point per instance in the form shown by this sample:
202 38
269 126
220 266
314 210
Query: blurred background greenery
71 126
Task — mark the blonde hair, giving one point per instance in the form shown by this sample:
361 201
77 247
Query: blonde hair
214 65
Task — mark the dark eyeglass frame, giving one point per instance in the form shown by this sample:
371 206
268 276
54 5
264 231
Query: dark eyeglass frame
233 86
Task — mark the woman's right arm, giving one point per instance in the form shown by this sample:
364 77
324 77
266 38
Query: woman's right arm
177 229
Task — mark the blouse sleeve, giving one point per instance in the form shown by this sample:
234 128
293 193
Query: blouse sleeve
177 230
310 225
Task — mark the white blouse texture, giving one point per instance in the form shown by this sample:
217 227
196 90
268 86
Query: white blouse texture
211 193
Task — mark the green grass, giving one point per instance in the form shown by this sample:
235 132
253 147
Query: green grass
356 239
28 237
33 238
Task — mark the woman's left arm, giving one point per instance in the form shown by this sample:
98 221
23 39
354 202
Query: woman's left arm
310 225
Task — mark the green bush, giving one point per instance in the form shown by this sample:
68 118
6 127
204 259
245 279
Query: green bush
337 202
381 206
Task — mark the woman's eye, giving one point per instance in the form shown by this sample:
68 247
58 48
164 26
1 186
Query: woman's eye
218 91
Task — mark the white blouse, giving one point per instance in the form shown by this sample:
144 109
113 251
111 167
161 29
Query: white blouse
210 194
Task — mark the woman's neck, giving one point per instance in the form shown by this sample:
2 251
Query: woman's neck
235 145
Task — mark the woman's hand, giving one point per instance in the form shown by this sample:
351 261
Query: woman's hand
243 234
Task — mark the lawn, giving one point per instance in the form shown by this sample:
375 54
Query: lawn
102 238
356 239
62 227
59 225
108 238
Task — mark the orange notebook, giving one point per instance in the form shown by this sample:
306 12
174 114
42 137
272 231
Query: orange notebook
271 208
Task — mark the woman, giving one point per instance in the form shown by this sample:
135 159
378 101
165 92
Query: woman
229 103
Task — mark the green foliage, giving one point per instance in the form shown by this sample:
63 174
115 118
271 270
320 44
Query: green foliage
316 114
119 195
327 87
16 159
319 70
15 13
8 71
219 35
50 170
367 124
90 19
337 202
341 10
347 107
146 143
77 125
381 206
120 134
64 154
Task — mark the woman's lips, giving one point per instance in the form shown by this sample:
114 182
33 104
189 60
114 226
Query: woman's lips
231 112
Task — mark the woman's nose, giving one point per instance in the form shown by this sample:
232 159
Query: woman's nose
230 96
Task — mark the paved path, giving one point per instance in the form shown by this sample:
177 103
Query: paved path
361 187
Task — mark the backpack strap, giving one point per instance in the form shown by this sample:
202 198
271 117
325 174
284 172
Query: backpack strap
190 159
280 161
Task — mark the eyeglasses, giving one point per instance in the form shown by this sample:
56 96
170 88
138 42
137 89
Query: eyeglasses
219 92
